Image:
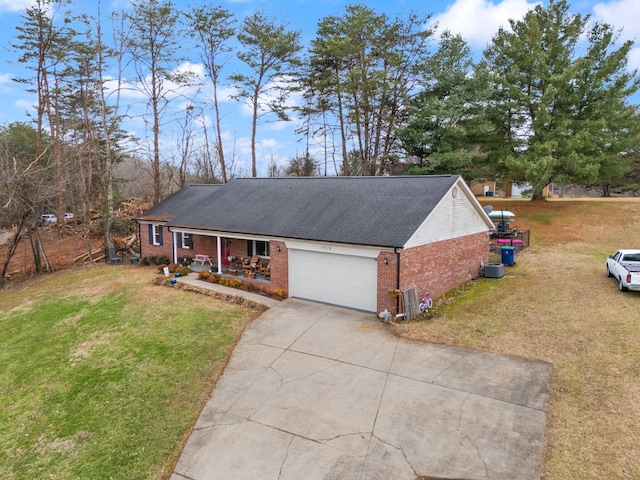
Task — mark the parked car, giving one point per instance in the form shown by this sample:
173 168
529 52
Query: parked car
52 218
624 266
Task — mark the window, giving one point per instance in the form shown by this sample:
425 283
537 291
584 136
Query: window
155 234
260 247
185 240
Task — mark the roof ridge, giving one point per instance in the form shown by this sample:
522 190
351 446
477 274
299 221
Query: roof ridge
345 177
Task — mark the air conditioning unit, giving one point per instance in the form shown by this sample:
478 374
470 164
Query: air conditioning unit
494 270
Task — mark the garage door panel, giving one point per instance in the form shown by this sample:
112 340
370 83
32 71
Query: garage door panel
346 280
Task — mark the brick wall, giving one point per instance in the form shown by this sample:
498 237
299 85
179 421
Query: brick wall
442 266
278 260
436 268
201 244
280 266
148 250
387 275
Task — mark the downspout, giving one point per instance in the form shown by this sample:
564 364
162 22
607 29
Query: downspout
397 252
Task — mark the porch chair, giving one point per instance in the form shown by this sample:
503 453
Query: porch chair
246 265
265 270
254 263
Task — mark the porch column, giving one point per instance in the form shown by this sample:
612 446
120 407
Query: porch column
174 247
219 244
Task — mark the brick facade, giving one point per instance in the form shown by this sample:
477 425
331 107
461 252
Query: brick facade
201 244
207 245
387 280
280 266
149 250
438 267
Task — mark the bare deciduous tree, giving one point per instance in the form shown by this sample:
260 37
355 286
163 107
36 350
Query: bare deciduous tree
153 44
213 27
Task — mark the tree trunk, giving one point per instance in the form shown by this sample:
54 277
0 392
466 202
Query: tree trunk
254 128
219 147
35 250
13 246
43 253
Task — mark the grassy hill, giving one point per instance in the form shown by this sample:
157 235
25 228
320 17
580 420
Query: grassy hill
103 374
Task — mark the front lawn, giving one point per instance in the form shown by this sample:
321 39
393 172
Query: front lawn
102 374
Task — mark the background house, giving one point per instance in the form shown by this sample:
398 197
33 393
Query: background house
348 241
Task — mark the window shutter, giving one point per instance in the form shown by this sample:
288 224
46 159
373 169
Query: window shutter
150 234
179 242
160 232
189 241
249 248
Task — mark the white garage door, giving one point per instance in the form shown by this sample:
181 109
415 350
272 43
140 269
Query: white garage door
345 280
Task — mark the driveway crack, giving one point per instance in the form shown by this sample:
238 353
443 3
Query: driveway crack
286 456
466 437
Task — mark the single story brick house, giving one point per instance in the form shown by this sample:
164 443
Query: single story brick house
348 241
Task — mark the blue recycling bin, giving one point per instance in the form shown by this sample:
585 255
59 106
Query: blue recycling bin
508 255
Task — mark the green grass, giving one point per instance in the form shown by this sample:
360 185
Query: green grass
108 385
542 218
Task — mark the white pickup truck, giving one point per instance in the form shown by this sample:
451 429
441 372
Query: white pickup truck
624 265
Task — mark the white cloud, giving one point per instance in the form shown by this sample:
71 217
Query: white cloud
6 82
13 6
621 14
634 58
195 69
478 20
269 143
25 104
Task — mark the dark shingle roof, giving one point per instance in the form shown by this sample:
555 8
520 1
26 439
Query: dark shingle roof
376 211
177 202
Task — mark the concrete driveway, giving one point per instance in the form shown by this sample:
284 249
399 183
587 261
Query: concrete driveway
319 392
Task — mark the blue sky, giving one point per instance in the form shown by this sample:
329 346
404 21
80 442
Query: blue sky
475 20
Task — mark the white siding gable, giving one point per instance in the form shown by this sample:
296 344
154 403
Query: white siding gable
455 216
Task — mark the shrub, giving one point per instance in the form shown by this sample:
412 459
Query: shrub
175 268
278 294
155 260
203 275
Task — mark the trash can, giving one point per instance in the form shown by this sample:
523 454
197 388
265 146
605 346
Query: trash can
508 255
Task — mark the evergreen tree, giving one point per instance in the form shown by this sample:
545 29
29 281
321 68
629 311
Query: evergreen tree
444 118
557 114
271 53
362 69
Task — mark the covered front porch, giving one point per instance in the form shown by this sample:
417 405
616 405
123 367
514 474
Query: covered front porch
222 250
232 271
233 257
